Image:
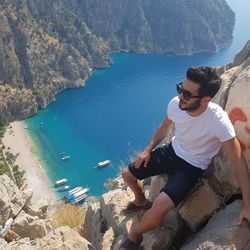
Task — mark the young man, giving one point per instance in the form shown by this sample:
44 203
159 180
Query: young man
201 128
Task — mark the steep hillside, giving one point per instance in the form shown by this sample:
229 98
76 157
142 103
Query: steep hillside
48 46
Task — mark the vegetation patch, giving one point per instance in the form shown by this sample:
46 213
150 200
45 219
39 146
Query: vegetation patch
7 163
68 215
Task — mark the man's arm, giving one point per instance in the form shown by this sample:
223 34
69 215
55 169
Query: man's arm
159 135
234 153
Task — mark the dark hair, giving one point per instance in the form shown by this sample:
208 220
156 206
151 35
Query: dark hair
207 78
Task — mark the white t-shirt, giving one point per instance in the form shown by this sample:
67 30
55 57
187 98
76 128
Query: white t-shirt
198 138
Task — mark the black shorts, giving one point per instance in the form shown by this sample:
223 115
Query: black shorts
182 175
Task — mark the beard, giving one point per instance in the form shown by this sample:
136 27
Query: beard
192 107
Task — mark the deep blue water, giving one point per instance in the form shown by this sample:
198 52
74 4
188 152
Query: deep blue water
116 113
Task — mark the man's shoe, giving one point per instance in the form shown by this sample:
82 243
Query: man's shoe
131 207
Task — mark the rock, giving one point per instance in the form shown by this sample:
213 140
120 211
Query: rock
10 236
157 183
63 238
172 221
21 225
163 236
108 239
27 195
222 232
4 244
235 83
242 56
37 229
115 183
92 226
11 201
199 206
111 206
21 244
48 224
239 110
38 209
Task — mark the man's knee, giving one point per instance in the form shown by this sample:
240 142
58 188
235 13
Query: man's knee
162 204
127 176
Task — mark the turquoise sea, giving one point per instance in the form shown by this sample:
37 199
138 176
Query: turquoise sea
118 110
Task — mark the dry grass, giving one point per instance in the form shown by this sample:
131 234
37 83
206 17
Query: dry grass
68 215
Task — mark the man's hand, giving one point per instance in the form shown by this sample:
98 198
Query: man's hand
143 157
245 214
234 153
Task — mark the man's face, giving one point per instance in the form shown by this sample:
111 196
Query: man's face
192 88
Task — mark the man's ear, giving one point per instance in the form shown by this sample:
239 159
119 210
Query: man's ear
206 99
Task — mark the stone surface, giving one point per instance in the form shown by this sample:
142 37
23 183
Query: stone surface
37 229
111 205
21 225
157 183
92 226
243 55
38 209
11 200
60 238
27 195
4 244
199 206
108 239
239 110
234 97
222 232
11 236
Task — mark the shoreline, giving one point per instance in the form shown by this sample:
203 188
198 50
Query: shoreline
18 141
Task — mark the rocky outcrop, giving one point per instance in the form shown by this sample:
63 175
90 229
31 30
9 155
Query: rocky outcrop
32 227
143 26
233 96
48 46
16 103
222 232
11 200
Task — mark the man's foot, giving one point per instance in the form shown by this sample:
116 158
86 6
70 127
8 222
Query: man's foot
131 245
131 207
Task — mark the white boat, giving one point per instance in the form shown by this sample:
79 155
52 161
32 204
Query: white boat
78 199
76 195
103 163
60 182
66 157
62 188
73 191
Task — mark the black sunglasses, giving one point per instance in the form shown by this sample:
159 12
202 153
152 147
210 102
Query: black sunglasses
186 94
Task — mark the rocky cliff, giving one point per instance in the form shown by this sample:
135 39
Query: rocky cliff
48 46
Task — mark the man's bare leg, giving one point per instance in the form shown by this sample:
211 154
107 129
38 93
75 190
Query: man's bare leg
136 187
152 217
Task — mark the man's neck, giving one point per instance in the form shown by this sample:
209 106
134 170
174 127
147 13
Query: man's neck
197 112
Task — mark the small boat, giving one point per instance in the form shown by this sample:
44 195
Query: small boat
76 195
60 182
63 188
66 157
73 191
103 163
78 199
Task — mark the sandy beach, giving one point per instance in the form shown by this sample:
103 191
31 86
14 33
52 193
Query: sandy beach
18 141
